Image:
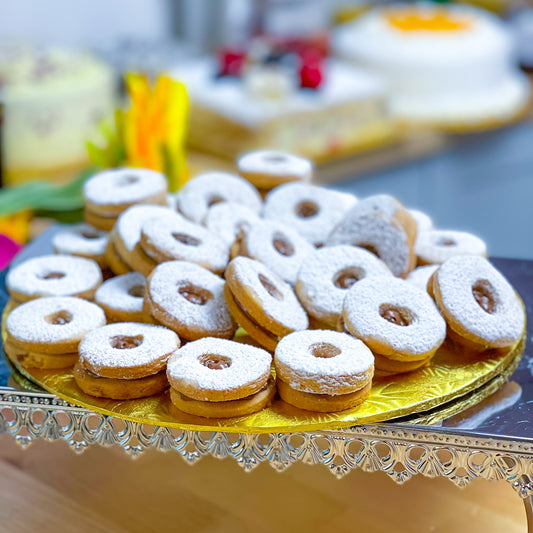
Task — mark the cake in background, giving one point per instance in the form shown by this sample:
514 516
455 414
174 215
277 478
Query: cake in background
452 66
54 100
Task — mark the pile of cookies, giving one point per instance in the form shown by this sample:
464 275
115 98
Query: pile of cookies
330 290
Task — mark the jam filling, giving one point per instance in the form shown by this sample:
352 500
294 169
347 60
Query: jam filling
483 293
307 209
275 158
396 315
89 234
60 318
137 291
122 342
368 247
282 245
215 199
348 277
215 362
446 242
270 287
195 295
53 275
188 240
324 350
128 180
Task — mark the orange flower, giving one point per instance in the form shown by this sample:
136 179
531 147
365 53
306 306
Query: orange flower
16 226
154 127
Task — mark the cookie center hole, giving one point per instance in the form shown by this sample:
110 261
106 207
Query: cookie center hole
215 362
275 158
60 318
188 240
89 234
137 291
195 295
270 287
396 315
347 277
307 209
127 180
483 293
53 275
282 245
123 342
324 350
446 241
215 199
369 248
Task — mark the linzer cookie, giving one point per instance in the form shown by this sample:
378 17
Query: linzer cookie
45 333
201 193
82 240
327 274
125 360
312 211
53 275
189 300
397 321
437 246
218 378
480 306
384 227
261 302
227 219
323 370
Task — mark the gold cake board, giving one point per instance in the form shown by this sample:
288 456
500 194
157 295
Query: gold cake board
453 373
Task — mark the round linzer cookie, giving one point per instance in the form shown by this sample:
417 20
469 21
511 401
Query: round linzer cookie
277 246
125 360
262 303
110 192
170 238
480 306
121 297
188 299
267 169
206 190
219 378
437 246
82 240
114 260
323 370
127 236
384 227
312 211
327 274
53 275
397 321
228 219
45 333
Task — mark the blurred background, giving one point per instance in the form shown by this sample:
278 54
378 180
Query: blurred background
427 101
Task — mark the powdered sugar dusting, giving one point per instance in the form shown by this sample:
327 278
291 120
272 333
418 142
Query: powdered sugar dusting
456 278
248 365
284 204
349 368
275 163
437 246
129 223
371 222
169 277
228 218
72 241
362 315
316 286
79 275
97 352
419 277
198 194
423 220
287 310
114 293
261 239
124 185
28 323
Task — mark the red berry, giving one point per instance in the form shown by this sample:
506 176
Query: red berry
311 70
230 62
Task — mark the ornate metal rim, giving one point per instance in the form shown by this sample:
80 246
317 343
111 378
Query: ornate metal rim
401 451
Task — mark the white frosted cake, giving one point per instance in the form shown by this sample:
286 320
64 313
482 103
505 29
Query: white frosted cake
230 115
53 102
449 65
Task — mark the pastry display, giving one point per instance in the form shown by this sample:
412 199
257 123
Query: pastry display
217 378
315 279
446 65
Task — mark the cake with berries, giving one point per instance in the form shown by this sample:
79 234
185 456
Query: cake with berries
316 107
53 102
451 65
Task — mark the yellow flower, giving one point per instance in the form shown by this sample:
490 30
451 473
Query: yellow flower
16 226
154 127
